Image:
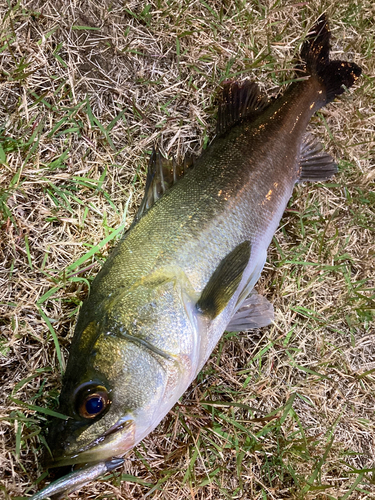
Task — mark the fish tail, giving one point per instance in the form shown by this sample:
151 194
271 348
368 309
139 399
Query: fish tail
333 75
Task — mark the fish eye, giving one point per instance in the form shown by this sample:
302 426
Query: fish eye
92 401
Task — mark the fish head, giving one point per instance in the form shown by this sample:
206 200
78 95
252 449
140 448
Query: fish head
97 427
128 365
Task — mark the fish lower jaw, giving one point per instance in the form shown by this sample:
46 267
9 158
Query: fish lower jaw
114 443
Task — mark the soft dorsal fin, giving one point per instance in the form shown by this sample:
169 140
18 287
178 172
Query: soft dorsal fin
314 164
162 174
224 281
239 101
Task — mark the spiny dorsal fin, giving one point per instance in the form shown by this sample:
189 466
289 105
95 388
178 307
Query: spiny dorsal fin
224 281
239 101
162 174
314 163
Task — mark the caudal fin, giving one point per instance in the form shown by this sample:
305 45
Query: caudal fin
334 75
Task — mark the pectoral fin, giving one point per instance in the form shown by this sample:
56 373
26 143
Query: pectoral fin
255 312
225 281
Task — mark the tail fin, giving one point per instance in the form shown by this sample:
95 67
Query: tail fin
315 55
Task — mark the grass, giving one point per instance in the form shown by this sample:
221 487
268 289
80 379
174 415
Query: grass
286 412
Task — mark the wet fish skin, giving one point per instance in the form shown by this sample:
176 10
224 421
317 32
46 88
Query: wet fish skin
174 283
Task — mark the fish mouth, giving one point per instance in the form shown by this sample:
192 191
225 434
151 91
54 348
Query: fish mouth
116 441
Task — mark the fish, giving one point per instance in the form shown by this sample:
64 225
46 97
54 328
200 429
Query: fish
185 271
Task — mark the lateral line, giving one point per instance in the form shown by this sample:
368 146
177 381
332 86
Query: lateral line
148 346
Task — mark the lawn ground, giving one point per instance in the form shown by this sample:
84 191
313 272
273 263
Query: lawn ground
86 89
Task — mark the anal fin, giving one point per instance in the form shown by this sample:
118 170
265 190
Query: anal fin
255 312
314 163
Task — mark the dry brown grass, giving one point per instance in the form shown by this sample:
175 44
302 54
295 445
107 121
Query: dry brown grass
150 74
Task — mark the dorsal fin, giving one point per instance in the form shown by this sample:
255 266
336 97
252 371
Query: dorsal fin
162 174
239 101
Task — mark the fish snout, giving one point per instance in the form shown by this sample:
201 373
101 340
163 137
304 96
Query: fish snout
72 442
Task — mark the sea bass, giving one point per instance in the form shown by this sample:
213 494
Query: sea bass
185 271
